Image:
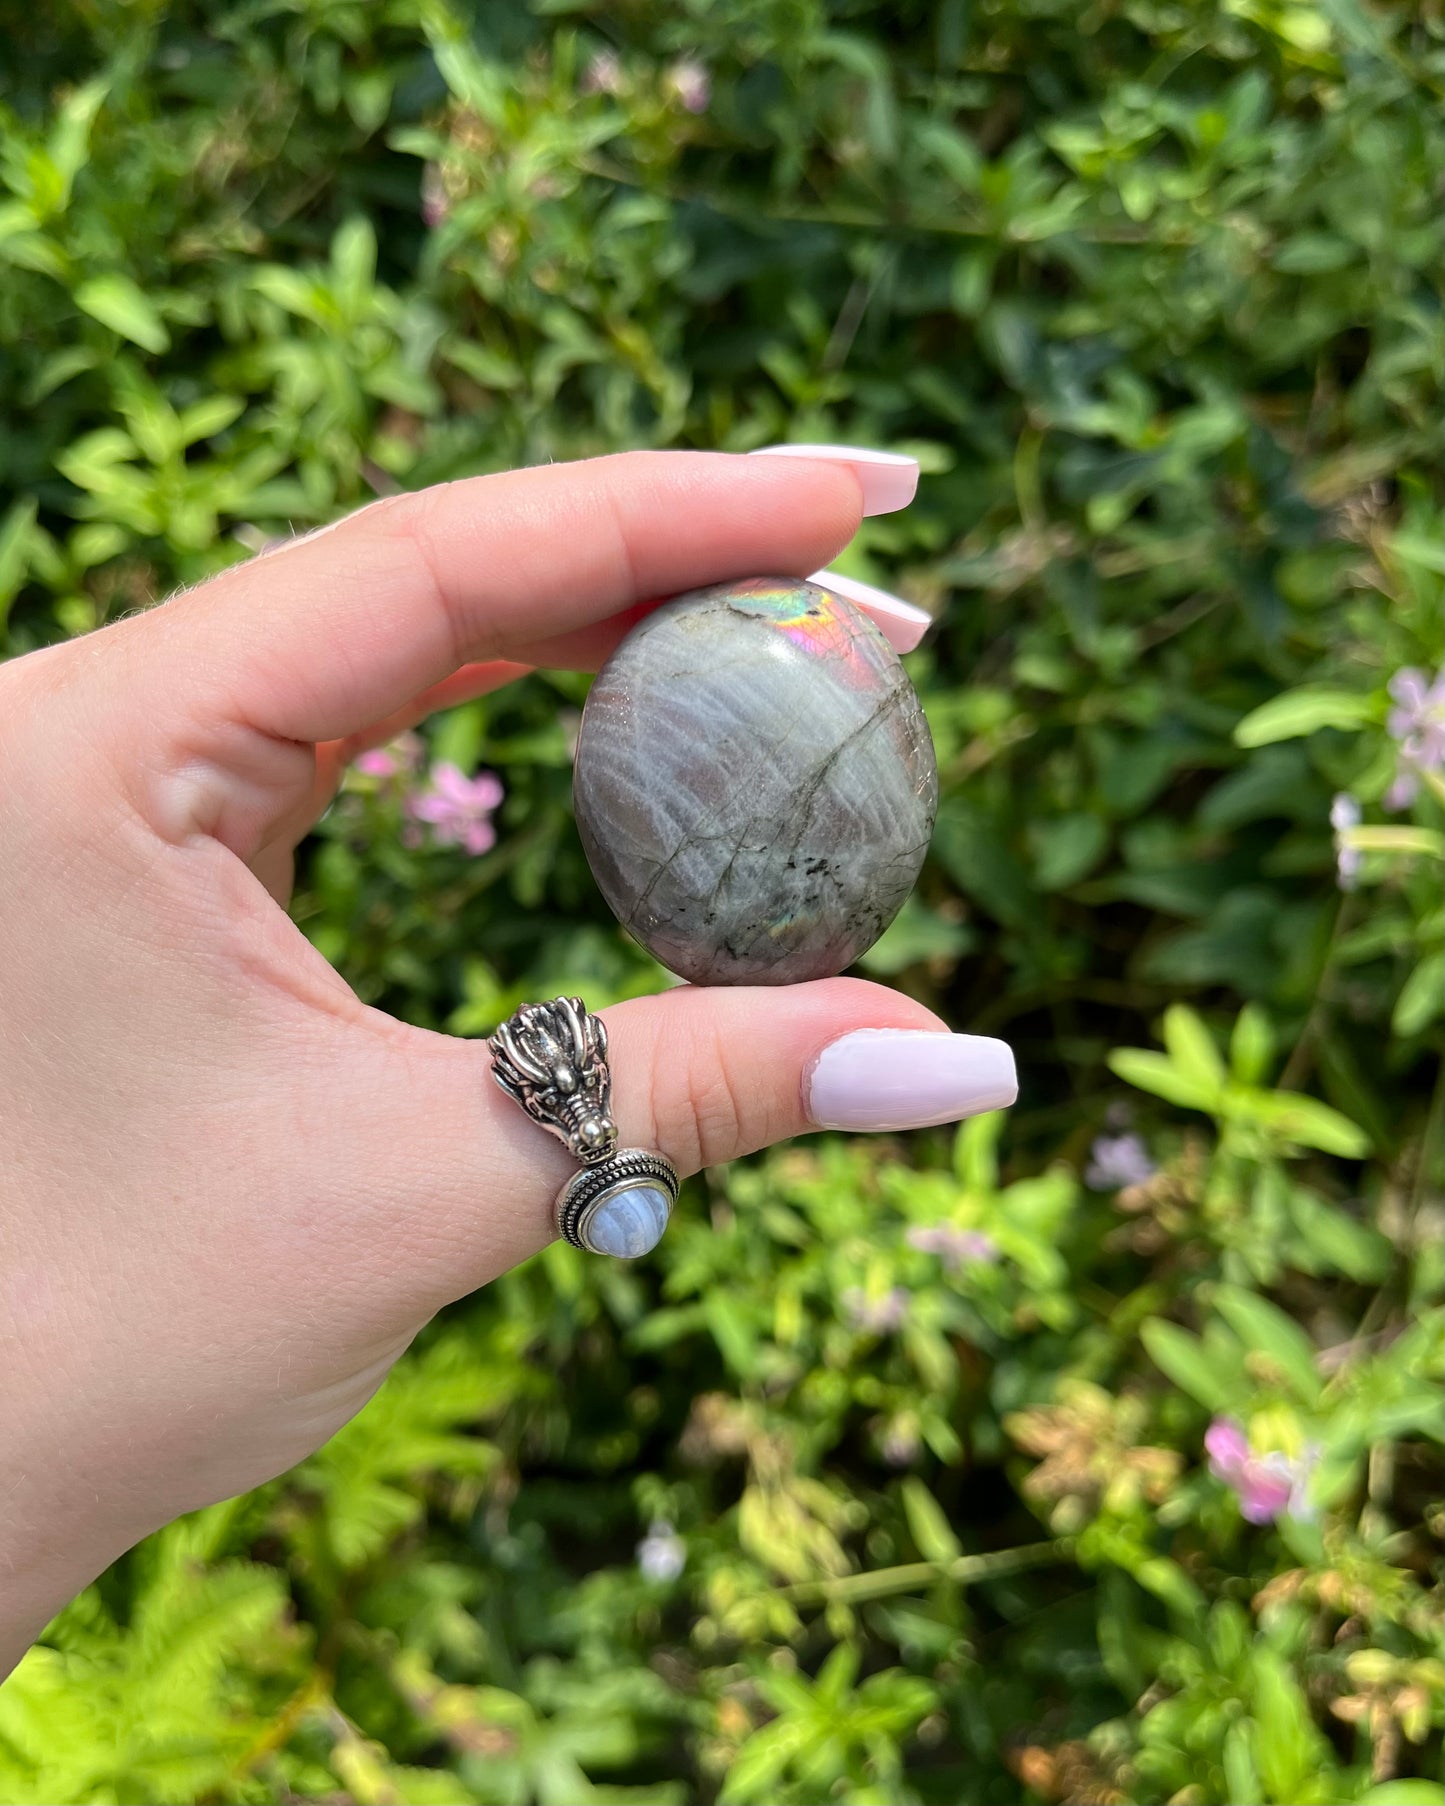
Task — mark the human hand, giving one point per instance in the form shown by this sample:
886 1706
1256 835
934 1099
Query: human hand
232 1193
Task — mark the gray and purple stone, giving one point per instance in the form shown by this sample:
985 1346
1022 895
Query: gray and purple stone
755 783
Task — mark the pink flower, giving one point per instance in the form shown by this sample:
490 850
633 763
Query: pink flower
876 1315
436 203
1417 722
900 1445
399 759
1418 719
458 809
1404 788
690 84
954 1247
1266 1484
603 74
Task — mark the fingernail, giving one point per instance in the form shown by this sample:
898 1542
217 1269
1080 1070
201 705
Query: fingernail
898 1078
902 625
889 479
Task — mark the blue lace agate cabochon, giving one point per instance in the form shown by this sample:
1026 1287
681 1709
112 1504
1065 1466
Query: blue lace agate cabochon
755 784
630 1222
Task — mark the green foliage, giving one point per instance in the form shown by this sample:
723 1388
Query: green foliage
1152 291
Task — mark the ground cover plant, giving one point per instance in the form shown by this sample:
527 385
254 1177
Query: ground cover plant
1089 1455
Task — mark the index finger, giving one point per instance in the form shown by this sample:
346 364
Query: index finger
342 629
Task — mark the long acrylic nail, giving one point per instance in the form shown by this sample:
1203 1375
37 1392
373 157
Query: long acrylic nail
902 625
898 1078
888 479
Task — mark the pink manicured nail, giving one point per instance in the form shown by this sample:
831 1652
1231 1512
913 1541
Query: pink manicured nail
889 479
902 625
898 1078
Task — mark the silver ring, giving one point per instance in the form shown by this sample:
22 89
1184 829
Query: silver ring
551 1058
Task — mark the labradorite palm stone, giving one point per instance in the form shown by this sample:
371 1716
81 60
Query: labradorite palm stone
755 784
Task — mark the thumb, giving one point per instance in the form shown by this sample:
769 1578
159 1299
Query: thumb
703 1076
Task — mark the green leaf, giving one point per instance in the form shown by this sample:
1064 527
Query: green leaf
1335 1242
458 736
1066 849
1192 1048
1166 1580
1290 1751
1305 1121
1304 711
929 1528
1423 549
1264 1328
57 369
119 303
1313 253
975 1151
353 259
731 1326
953 151
1251 1045
1181 1357
69 142
1385 839
204 419
15 532
1240 1774
488 368
974 850
1156 1073
916 934
1421 999
1405 1793
92 459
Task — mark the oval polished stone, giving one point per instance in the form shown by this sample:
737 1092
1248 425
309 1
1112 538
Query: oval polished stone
755 784
628 1223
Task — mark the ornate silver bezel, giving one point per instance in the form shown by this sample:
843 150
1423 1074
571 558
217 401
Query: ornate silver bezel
586 1192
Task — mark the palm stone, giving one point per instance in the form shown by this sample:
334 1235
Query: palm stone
755 783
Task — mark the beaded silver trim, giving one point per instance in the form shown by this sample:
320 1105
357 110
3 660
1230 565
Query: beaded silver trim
586 1192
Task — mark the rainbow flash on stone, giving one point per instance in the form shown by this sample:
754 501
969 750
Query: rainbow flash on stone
755 785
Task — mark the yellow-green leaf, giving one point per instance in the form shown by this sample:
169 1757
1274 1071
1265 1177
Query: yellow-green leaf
927 1525
1302 712
119 303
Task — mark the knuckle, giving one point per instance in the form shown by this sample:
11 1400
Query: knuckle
699 1112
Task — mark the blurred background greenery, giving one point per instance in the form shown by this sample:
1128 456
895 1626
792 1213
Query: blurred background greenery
1092 1456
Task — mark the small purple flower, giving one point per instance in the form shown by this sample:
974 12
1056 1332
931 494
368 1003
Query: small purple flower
877 1315
662 1554
954 1247
690 84
603 74
1404 788
1116 1161
1417 722
458 809
1418 719
1344 815
1267 1485
436 203
900 1446
399 758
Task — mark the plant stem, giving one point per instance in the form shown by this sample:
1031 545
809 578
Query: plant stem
912 1576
